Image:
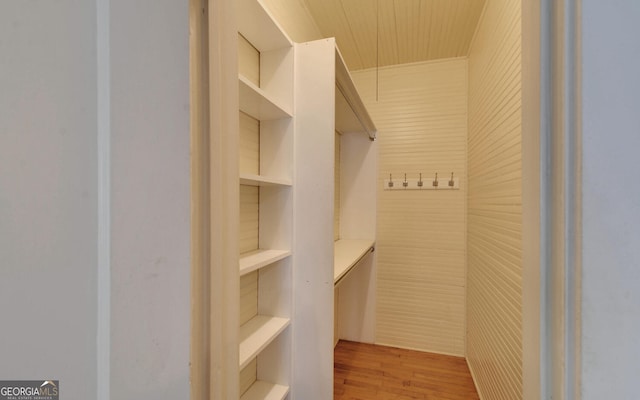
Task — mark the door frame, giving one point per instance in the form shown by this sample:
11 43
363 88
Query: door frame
214 200
551 199
560 199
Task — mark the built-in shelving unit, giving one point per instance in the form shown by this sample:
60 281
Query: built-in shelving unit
293 97
266 220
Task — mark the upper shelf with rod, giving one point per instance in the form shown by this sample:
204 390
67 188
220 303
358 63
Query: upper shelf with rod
351 113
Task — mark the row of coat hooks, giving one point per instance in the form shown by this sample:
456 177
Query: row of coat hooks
451 182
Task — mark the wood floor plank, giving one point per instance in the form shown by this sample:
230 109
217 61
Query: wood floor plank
371 372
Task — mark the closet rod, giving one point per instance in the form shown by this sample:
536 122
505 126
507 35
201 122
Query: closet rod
355 264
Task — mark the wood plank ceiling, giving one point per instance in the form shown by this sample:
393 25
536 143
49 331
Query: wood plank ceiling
386 32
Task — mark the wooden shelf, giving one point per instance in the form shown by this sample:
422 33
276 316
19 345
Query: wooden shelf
255 102
261 390
259 27
346 254
254 260
259 180
257 333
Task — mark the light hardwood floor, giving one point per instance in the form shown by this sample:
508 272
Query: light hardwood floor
370 372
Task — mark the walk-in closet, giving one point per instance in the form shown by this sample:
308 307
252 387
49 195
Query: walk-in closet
372 190
319 199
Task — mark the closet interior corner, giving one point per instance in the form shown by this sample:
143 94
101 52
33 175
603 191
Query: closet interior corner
354 213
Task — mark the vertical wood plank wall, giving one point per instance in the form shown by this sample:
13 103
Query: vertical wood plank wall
249 144
336 193
494 284
248 60
249 159
421 115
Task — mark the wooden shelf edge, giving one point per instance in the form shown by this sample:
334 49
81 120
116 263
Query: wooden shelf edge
261 390
257 103
347 88
257 334
260 180
347 253
254 260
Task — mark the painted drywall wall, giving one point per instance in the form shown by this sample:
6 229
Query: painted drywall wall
48 194
356 306
610 200
150 302
494 275
49 207
421 116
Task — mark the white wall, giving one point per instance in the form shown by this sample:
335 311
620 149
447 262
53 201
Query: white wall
357 291
150 302
611 200
48 193
49 196
421 116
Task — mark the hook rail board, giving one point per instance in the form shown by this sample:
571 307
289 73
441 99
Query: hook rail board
427 184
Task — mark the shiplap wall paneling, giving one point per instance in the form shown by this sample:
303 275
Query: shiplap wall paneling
248 60
249 216
398 32
336 227
421 115
336 186
494 306
249 144
249 158
248 310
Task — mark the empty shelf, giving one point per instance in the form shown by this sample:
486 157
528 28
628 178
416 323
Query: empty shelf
260 258
259 180
261 390
346 254
255 102
257 333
